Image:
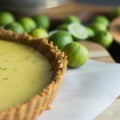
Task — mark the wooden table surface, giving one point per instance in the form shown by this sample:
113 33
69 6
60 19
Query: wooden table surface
96 51
75 8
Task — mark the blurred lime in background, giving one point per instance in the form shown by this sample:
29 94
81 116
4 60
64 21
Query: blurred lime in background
6 18
90 32
42 21
102 19
104 38
71 19
97 27
28 24
16 27
78 31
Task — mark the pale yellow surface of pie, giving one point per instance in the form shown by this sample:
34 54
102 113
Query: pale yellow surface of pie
23 73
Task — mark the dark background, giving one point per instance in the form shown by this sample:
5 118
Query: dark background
101 2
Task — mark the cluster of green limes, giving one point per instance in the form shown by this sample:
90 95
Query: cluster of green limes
36 26
73 25
66 36
98 31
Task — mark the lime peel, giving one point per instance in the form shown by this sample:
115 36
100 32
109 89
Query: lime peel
77 54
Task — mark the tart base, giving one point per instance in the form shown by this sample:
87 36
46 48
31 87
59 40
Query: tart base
36 105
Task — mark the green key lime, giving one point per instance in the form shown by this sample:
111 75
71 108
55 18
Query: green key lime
91 32
71 19
78 31
62 27
77 54
104 38
61 39
16 27
103 20
42 21
28 24
6 18
96 27
115 12
39 33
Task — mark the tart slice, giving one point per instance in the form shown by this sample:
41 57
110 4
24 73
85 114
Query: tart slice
31 71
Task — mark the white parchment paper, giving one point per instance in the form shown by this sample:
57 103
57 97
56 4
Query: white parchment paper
85 92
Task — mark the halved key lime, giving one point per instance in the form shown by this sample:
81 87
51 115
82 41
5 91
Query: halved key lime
78 31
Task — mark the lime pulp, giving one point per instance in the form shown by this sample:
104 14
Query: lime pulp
78 31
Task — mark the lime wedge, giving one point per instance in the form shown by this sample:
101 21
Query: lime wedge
78 31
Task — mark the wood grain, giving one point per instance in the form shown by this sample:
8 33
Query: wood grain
111 113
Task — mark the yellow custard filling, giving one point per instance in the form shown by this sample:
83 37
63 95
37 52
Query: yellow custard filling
23 73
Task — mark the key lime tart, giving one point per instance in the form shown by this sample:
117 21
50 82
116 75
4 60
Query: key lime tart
31 71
